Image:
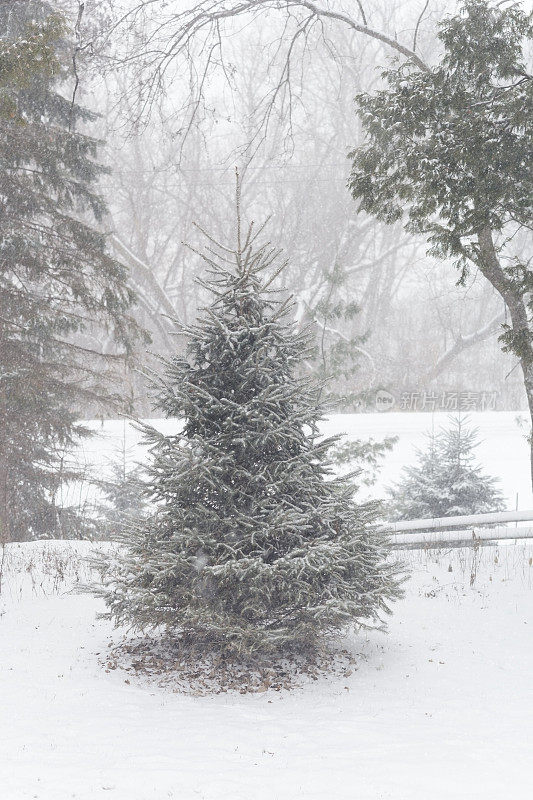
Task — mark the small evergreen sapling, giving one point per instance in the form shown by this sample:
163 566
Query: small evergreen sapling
124 500
253 548
446 481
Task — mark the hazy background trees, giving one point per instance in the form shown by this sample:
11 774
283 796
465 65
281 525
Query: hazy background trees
269 89
173 140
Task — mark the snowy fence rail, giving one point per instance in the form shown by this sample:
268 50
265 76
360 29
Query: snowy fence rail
464 531
470 521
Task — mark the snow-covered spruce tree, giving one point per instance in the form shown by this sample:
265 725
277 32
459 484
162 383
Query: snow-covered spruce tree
446 481
253 548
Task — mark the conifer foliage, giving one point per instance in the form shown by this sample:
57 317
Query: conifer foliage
446 481
253 547
59 288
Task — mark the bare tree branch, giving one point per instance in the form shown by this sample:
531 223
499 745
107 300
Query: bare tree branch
77 31
339 17
463 343
363 15
196 33
419 20
149 292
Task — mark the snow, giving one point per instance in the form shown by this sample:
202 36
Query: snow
461 536
503 449
470 520
441 707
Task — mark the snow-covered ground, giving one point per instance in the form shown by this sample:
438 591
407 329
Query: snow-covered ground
503 450
440 708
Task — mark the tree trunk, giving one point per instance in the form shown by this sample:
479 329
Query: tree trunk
4 529
3 453
491 268
528 382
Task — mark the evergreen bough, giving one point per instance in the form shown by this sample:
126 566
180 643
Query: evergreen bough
253 548
60 290
446 481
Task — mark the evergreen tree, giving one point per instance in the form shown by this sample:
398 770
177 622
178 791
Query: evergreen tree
124 498
58 286
446 481
253 546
